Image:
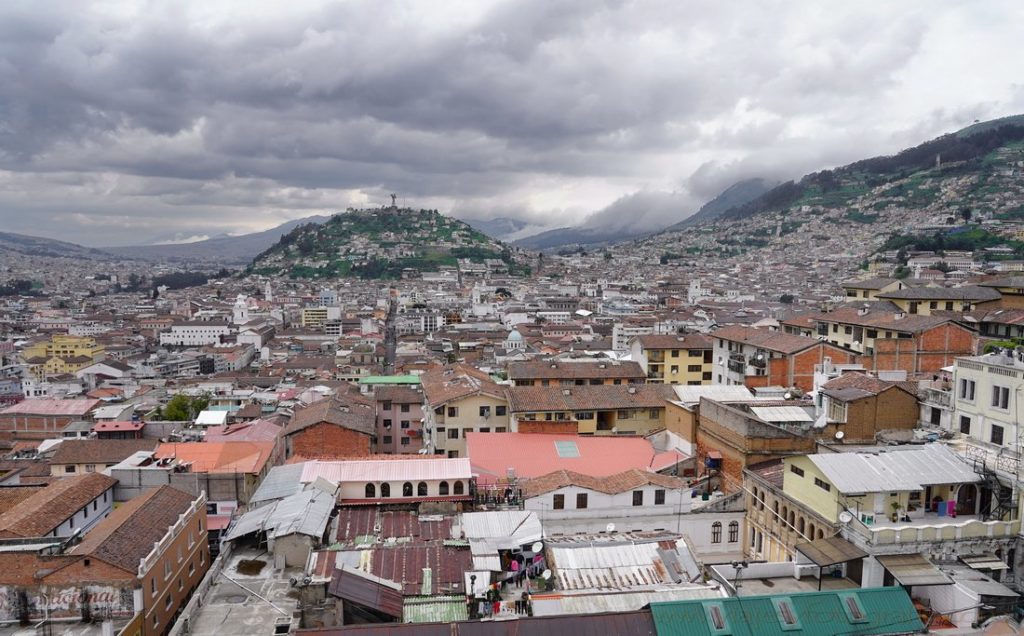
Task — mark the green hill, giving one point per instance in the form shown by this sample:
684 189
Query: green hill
384 243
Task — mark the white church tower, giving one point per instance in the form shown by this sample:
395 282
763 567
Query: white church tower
241 310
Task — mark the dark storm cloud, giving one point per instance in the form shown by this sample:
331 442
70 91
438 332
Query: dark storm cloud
201 117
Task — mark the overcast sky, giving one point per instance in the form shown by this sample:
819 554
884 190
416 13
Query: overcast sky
124 122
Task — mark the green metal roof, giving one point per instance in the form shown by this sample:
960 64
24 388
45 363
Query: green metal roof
390 379
861 612
434 609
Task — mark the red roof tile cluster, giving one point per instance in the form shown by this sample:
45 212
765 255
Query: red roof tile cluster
47 509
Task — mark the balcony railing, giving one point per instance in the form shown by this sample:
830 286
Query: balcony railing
931 528
936 397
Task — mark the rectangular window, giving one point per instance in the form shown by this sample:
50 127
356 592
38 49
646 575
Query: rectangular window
674 369
823 485
693 368
1001 397
167 569
965 425
638 497
191 568
997 435
581 500
388 439
584 415
405 423
485 411
558 502
90 468
152 586
796 470
405 408
967 390
405 441
453 433
168 602
453 411
386 405
501 411
654 414
622 415
388 423
659 497
69 469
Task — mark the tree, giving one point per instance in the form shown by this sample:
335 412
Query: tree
607 255
966 213
182 408
787 299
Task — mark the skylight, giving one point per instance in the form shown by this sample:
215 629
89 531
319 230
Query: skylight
567 448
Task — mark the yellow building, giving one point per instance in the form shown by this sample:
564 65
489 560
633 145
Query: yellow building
870 288
460 399
314 317
62 354
670 359
590 409
924 300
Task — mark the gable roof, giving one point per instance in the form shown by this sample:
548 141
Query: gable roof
777 341
965 293
452 382
909 468
669 341
99 451
588 397
356 416
856 386
127 535
612 484
589 370
47 509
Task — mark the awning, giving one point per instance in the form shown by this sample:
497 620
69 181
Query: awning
830 551
984 561
713 454
913 569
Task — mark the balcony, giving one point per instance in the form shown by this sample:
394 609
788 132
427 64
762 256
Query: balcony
929 528
936 397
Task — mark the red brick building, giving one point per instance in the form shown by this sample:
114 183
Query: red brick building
42 418
330 429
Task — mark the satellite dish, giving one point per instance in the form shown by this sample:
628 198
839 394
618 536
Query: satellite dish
537 547
845 517
840 435
788 395
610 527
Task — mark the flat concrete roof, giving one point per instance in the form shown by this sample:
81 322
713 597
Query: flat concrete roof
788 585
230 610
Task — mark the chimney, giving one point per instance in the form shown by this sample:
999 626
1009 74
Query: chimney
899 315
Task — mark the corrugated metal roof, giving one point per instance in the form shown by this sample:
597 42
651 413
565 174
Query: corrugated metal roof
622 566
621 624
984 561
377 470
886 610
908 468
913 569
782 414
830 551
367 590
306 512
500 529
280 482
616 601
434 609
719 393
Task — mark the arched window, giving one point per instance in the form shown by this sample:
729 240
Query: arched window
775 509
385 490
421 489
785 514
457 489
734 531
407 489
810 531
716 532
371 491
821 533
792 519
800 525
442 488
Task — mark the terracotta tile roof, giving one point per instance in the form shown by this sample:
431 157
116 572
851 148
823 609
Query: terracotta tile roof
11 496
50 406
452 382
882 315
219 457
668 341
99 451
398 395
53 505
553 370
770 471
869 283
770 340
612 484
967 292
854 386
356 416
127 535
601 397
